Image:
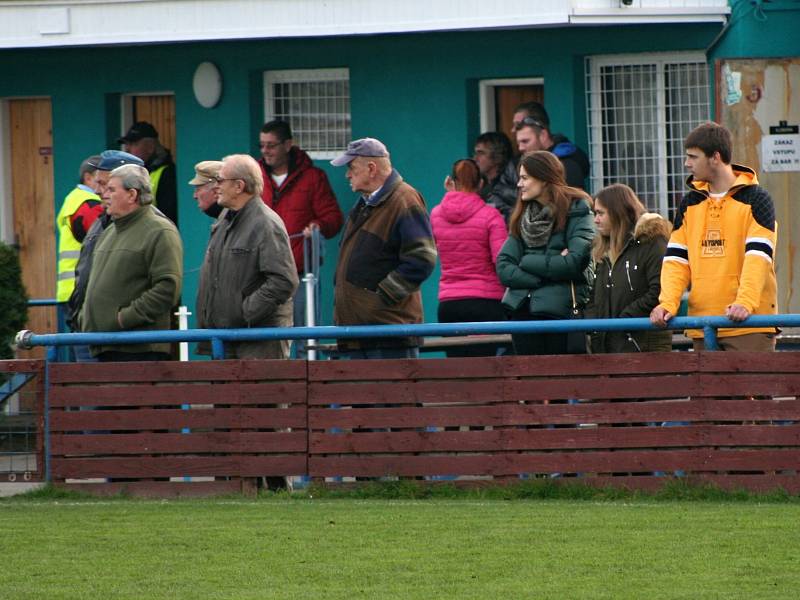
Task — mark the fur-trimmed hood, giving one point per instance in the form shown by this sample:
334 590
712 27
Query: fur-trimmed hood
651 226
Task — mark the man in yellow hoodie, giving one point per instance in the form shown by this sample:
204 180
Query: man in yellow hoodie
722 245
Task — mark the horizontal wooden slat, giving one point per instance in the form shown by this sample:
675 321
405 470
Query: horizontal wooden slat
598 387
508 463
291 392
406 392
747 384
163 489
22 366
513 366
554 439
176 419
187 466
749 362
197 442
514 414
213 370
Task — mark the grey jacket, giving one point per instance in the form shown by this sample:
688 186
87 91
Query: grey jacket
248 276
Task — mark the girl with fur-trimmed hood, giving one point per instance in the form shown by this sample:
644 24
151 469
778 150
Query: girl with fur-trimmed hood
628 251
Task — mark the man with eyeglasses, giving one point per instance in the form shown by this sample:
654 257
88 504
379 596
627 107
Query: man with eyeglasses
248 275
533 133
301 195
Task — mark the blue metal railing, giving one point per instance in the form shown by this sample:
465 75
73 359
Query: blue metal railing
218 337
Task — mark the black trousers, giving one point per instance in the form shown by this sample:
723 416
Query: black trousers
117 356
536 343
467 310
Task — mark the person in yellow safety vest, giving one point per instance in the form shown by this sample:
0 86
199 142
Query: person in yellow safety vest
142 140
81 208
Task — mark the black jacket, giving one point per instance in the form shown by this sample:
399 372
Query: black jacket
630 288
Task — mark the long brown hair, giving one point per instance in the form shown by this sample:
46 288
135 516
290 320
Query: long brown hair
623 208
547 168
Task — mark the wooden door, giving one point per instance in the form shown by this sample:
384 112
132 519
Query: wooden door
508 97
159 111
31 137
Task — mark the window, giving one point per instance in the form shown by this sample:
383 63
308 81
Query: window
640 109
315 103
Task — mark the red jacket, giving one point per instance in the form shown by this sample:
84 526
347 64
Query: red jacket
305 197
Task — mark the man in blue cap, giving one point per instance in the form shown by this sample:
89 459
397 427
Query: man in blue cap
106 162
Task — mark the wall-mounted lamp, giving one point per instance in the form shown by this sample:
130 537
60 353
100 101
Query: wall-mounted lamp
207 85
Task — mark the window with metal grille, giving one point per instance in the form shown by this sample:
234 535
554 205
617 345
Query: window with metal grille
315 103
640 109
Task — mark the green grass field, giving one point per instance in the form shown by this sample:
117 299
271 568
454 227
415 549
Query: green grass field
461 547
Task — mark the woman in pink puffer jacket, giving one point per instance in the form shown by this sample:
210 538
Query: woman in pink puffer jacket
469 234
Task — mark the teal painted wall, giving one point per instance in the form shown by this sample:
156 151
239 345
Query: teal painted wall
762 31
416 92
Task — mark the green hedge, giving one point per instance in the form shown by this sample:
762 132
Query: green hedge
13 299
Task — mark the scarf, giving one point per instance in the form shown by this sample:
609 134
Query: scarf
536 224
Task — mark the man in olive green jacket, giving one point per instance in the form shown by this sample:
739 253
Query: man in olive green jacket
137 269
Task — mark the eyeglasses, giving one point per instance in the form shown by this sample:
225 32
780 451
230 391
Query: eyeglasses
219 179
528 122
269 145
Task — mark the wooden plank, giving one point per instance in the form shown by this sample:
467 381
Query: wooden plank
747 384
406 392
508 463
22 366
179 443
506 366
554 439
513 414
184 466
176 419
287 392
387 370
749 362
161 489
661 387
213 370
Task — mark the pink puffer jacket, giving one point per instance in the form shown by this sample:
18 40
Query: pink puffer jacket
469 234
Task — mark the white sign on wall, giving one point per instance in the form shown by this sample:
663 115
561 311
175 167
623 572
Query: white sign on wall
780 153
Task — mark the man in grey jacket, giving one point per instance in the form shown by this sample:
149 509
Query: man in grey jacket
248 276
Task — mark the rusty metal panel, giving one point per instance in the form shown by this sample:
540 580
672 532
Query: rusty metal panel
754 95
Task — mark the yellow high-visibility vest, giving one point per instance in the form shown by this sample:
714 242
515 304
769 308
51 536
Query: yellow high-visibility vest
69 248
155 178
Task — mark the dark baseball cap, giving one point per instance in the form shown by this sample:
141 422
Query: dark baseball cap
139 130
111 159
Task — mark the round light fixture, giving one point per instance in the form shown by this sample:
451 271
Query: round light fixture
207 84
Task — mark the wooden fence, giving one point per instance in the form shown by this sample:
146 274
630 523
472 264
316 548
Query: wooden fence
624 420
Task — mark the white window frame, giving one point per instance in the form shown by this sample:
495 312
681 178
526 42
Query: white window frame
486 94
308 75
594 64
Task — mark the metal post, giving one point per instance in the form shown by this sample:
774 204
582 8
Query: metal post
183 324
710 338
50 357
217 349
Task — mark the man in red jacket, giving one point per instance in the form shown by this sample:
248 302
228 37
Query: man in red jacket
301 195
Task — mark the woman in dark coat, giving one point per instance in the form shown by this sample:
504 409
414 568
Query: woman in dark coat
628 251
546 255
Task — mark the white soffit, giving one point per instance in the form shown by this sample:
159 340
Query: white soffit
53 23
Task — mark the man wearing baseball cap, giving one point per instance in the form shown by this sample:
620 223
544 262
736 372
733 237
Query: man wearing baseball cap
204 182
107 161
142 140
387 251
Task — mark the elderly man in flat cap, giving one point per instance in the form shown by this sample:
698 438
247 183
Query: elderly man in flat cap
205 182
387 251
